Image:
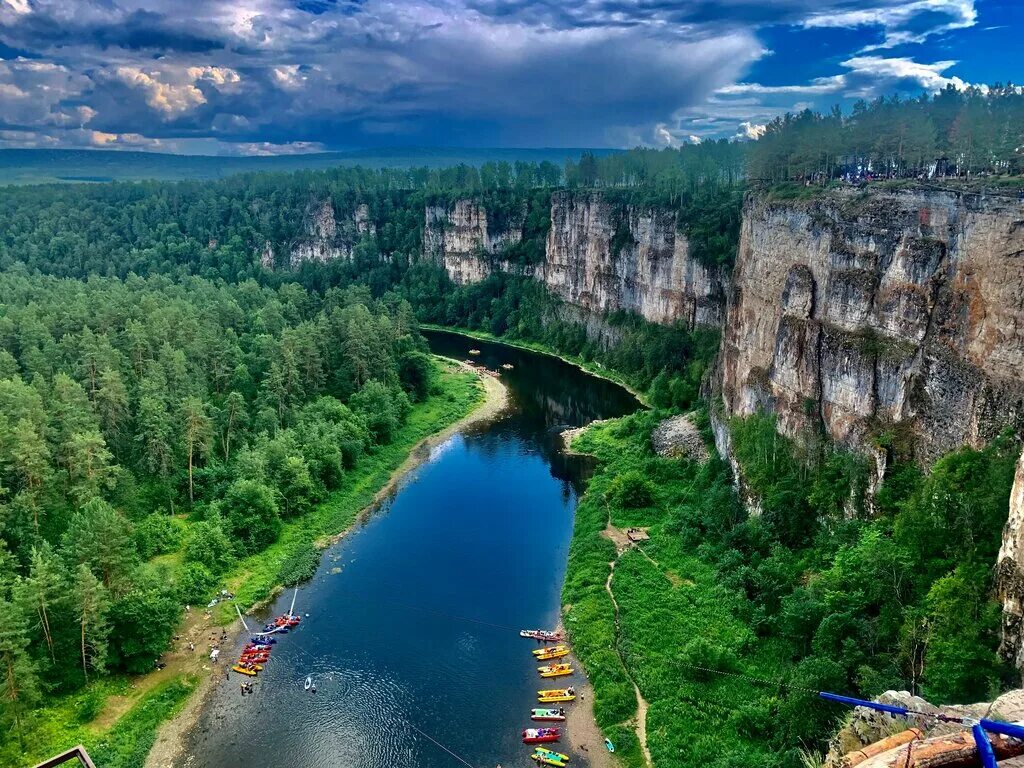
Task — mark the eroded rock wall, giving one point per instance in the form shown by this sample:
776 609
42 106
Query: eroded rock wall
860 311
605 257
459 238
324 238
600 257
1010 574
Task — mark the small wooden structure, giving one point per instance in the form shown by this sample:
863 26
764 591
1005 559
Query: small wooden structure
637 534
75 753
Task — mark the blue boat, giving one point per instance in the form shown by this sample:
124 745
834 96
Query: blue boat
262 640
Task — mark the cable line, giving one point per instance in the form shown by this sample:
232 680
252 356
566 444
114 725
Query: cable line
442 746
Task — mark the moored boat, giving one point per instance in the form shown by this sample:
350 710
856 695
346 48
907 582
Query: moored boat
262 640
545 759
547 635
548 715
547 654
551 649
541 735
549 757
555 670
244 670
556 694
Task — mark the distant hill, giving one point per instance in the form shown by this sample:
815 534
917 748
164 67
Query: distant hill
42 166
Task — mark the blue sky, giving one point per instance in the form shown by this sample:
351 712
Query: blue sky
282 76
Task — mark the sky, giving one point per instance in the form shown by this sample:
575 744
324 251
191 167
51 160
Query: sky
260 77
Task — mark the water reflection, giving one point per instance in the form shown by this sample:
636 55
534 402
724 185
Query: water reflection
413 619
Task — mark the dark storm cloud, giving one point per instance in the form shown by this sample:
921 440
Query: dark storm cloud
344 73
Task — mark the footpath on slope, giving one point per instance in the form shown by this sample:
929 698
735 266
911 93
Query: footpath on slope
623 545
200 627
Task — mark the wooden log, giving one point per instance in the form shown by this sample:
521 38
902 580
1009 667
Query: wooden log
953 751
892 742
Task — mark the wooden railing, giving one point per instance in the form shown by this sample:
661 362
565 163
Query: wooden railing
75 753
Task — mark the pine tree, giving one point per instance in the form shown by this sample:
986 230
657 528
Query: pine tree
92 605
19 683
195 435
43 589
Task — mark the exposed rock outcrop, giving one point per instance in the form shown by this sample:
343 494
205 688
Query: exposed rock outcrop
459 238
324 240
872 739
678 437
1010 574
860 311
605 257
600 257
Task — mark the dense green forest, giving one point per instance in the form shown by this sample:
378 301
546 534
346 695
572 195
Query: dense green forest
169 407
953 133
730 623
148 416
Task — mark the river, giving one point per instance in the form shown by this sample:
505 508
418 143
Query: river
412 623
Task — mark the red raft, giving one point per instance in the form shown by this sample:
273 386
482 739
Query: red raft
541 735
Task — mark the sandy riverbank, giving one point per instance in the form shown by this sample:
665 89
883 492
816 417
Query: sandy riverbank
199 627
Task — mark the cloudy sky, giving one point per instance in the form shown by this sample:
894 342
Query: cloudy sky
278 76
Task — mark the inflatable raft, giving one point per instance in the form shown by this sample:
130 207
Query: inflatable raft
556 694
245 670
541 735
541 634
555 670
548 715
553 651
547 757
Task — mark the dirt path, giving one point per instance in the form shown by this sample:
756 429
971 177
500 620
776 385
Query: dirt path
199 627
622 545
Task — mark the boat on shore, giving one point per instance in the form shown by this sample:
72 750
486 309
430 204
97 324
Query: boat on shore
548 715
548 757
556 694
546 635
250 671
551 652
541 735
555 670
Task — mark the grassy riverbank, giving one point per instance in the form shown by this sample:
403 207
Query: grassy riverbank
117 718
592 367
670 605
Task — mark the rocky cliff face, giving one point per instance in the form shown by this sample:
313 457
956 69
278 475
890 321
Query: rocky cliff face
599 258
459 238
864 311
603 257
324 239
1010 574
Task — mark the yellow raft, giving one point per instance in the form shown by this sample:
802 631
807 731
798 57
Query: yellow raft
555 670
556 694
246 671
552 652
547 757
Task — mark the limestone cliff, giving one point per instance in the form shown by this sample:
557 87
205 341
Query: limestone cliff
459 238
861 311
324 239
1010 574
599 257
605 257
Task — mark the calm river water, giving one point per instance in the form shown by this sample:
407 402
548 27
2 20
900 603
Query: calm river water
417 630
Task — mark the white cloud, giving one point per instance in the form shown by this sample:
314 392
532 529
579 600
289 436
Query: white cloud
164 97
895 20
817 87
749 130
219 76
867 73
20 7
288 77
